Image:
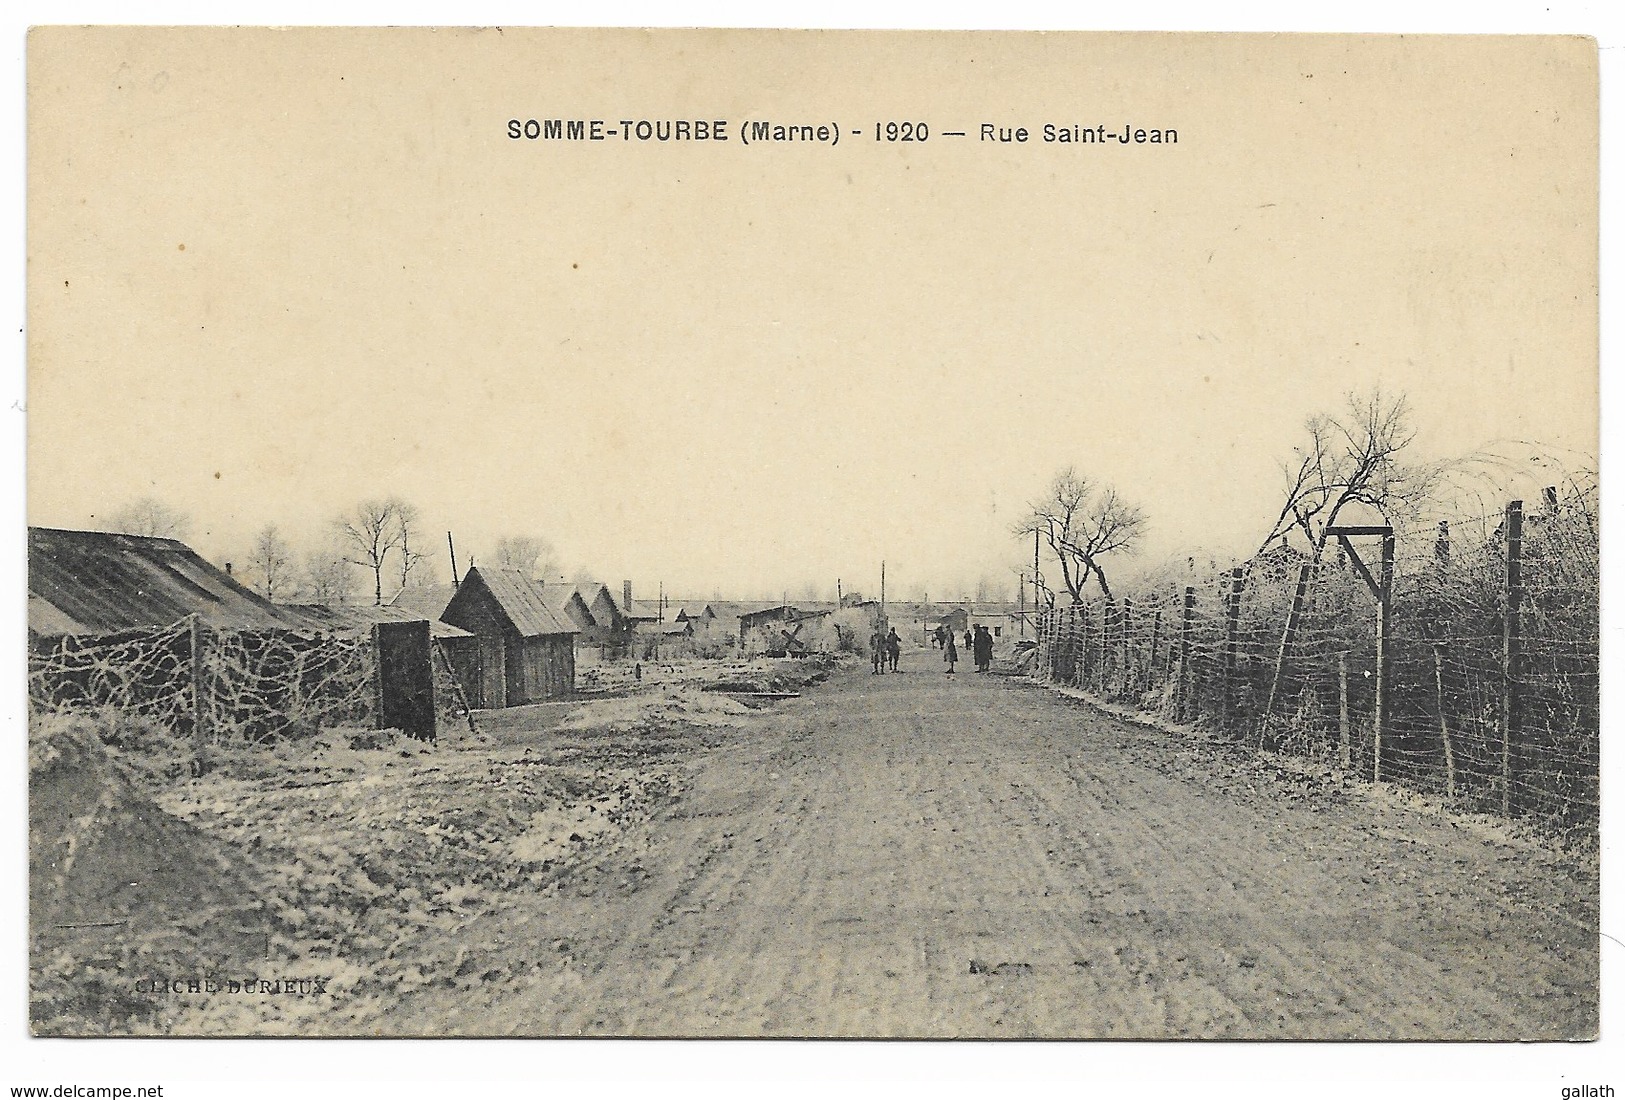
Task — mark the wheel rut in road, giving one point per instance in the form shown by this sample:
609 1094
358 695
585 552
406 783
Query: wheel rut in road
929 856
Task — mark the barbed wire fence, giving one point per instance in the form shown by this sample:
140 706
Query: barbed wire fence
1477 681
214 687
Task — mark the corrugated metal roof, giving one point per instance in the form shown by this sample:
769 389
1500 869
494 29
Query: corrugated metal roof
358 618
95 582
426 601
521 600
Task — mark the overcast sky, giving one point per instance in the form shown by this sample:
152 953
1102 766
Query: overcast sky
272 274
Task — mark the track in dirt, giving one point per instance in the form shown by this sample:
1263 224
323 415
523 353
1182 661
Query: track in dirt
918 855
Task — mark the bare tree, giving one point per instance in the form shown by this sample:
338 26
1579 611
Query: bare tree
270 563
1084 524
406 520
151 517
530 555
369 532
327 576
1352 457
991 589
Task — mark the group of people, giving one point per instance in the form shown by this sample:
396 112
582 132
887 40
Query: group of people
884 650
978 642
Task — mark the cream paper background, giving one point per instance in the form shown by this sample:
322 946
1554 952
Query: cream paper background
274 272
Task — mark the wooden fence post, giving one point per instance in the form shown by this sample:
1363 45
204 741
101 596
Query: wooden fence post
1379 708
1125 638
1052 641
1080 671
1344 750
1294 613
1108 612
1444 724
1232 641
1511 652
1156 641
1050 616
200 719
1187 616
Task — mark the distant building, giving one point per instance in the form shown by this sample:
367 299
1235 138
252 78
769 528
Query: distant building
567 605
699 616
768 620
611 630
526 651
666 640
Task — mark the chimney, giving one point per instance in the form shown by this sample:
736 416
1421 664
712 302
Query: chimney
626 597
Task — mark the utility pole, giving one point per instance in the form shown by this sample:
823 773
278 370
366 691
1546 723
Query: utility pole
1035 570
882 591
453 549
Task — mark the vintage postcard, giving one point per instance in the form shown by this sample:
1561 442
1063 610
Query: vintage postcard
812 534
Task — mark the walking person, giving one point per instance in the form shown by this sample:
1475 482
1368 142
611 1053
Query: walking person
894 648
984 649
949 653
877 650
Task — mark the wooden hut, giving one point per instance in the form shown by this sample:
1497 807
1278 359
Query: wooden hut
527 652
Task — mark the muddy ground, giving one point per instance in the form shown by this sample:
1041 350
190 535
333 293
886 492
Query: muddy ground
909 855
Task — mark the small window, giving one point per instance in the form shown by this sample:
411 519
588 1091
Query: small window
998 632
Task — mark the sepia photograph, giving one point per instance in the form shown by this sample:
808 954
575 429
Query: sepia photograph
551 533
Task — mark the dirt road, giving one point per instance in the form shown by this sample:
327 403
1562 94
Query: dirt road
915 855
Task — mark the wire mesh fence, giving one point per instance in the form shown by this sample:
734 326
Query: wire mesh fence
209 685
1463 662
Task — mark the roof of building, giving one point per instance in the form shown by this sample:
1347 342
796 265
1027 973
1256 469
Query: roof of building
426 601
358 618
568 605
96 582
771 612
733 609
519 598
591 592
683 626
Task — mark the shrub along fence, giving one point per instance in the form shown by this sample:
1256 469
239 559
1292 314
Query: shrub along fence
1458 656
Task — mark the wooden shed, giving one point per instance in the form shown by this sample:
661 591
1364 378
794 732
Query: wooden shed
527 652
